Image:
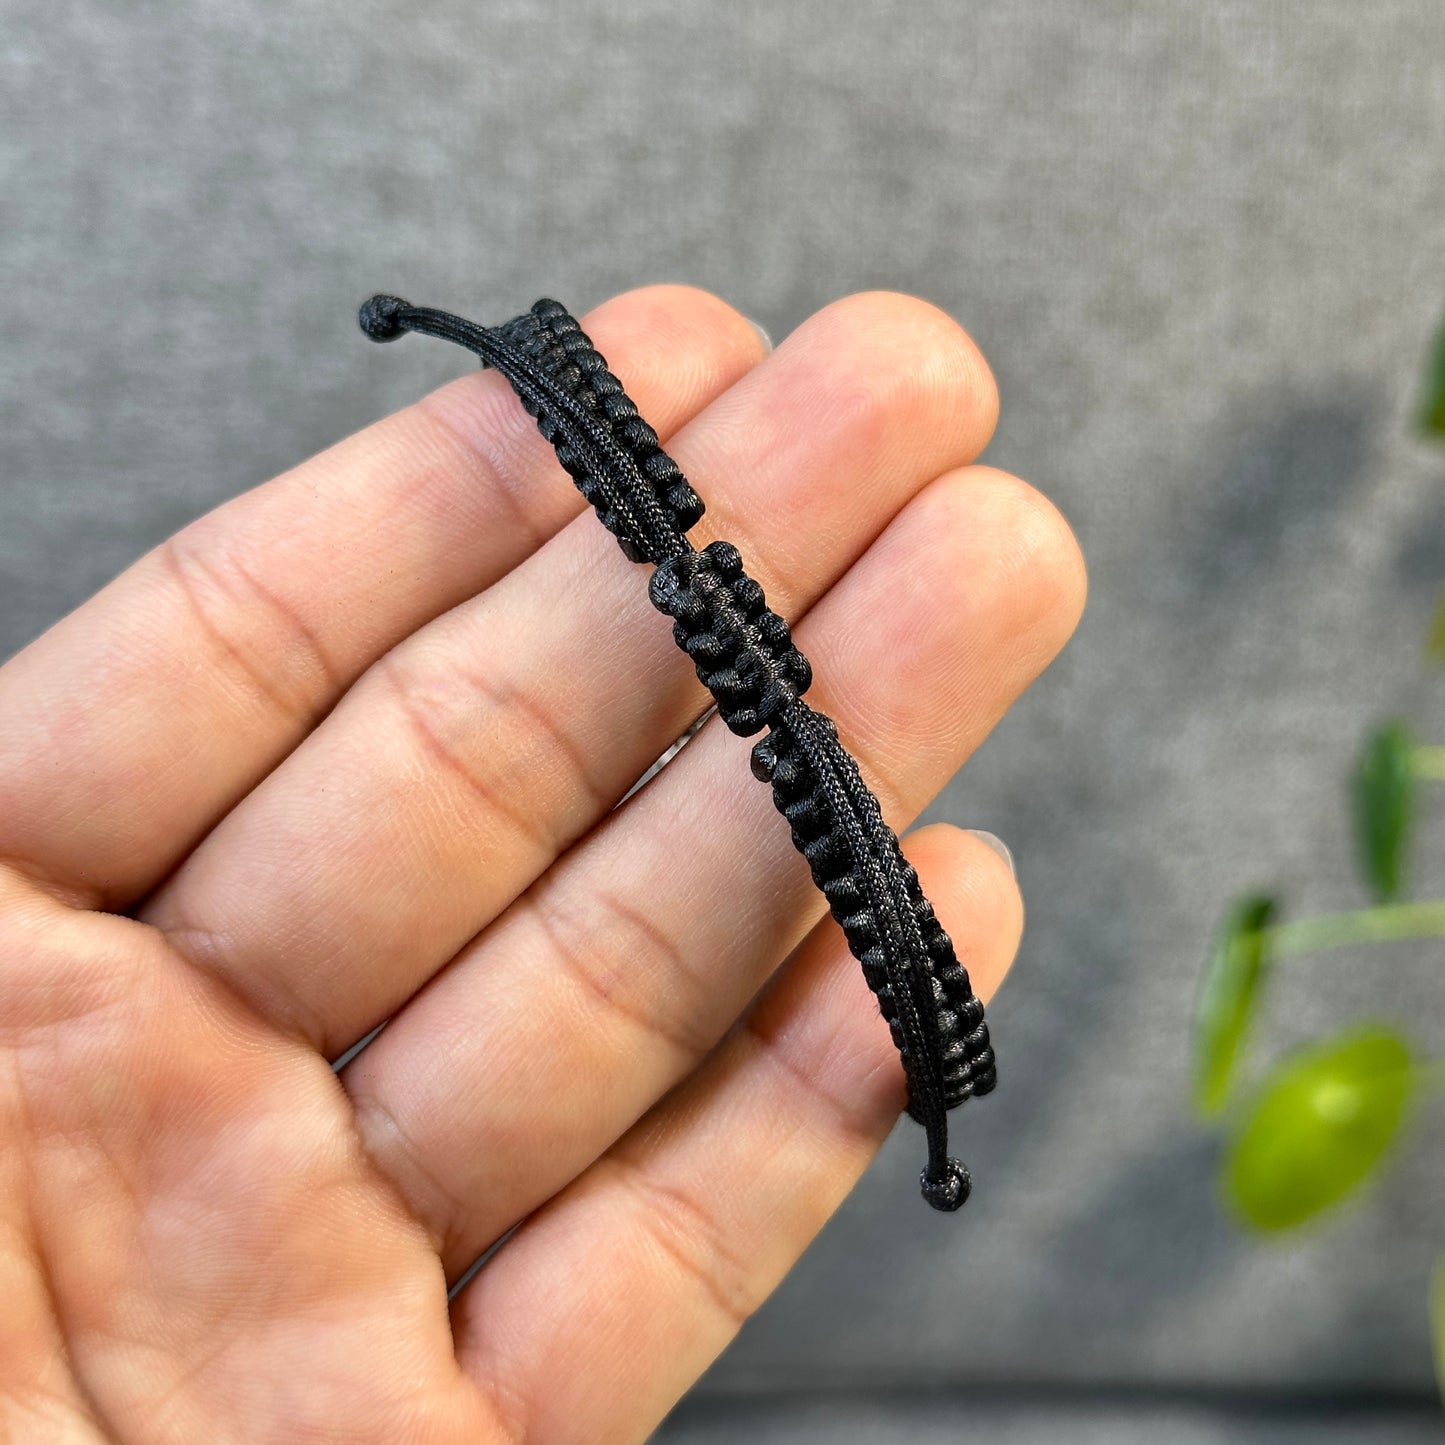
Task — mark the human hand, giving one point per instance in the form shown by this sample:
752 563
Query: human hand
348 749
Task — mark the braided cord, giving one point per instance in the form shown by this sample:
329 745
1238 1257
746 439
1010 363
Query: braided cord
744 655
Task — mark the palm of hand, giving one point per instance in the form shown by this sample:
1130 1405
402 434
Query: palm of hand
349 750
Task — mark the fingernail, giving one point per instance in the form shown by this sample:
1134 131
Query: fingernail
998 845
762 332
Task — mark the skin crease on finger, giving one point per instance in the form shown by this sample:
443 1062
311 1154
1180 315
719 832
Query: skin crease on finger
205 1249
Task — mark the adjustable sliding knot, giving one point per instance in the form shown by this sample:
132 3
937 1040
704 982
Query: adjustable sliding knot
744 655
742 650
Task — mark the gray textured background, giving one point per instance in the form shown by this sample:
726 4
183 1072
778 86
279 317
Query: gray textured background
1201 246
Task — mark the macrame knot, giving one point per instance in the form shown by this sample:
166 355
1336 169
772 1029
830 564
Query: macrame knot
959 1059
378 317
966 1058
549 335
743 651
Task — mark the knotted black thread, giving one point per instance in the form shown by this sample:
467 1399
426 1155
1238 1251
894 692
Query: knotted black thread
743 651
744 656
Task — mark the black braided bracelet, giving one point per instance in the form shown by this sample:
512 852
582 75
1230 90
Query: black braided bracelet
744 655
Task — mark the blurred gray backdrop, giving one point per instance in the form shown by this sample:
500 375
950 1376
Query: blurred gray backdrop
1201 245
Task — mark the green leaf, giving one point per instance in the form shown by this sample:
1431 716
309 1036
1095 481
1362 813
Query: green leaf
1227 999
1432 399
1437 1319
1435 639
1319 1127
1384 795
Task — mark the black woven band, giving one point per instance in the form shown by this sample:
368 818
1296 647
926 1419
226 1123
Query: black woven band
744 656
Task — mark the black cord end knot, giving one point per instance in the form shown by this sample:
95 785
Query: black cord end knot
379 317
948 1192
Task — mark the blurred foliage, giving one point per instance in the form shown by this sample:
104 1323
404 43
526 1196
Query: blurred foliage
1226 1002
1432 399
1318 1125
1385 789
1435 638
1437 1320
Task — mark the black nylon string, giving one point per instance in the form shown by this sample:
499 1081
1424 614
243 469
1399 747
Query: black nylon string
744 655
